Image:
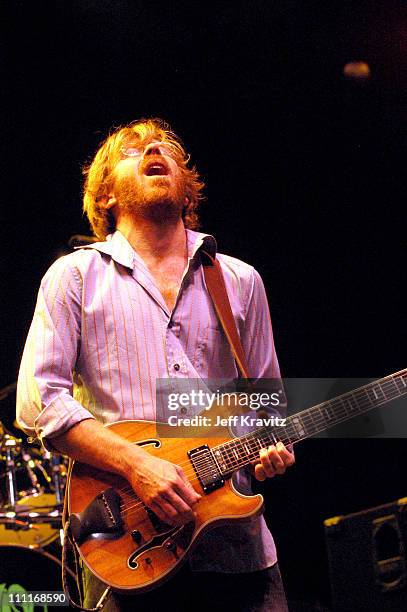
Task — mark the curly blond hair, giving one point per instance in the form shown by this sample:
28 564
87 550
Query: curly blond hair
99 173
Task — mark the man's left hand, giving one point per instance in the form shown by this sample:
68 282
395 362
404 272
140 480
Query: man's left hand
273 460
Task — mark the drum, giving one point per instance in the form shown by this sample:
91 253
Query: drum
39 479
34 470
36 523
23 569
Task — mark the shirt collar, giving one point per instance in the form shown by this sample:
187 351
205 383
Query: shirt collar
122 252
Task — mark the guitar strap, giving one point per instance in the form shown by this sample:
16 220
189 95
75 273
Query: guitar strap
215 283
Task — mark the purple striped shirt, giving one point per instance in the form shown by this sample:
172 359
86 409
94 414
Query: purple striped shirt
102 335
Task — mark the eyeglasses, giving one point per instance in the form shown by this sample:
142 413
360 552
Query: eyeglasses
165 149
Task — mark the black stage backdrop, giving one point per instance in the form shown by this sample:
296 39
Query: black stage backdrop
305 174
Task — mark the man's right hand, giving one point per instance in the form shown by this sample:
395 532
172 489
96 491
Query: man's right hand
161 485
164 488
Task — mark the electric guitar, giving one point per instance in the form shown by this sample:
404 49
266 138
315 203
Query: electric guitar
126 545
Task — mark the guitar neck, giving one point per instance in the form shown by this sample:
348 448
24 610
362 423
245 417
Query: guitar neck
238 452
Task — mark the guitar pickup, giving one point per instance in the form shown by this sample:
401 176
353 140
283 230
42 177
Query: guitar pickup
206 468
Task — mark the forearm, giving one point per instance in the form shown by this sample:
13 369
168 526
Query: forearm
90 442
160 484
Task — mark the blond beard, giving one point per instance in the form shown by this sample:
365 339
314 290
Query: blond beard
162 204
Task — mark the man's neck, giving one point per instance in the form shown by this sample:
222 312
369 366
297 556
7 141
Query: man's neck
154 242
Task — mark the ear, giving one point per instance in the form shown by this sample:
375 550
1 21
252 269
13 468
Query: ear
111 201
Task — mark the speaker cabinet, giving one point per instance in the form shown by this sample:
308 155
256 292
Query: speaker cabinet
367 554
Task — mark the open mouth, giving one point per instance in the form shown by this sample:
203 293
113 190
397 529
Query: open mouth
156 169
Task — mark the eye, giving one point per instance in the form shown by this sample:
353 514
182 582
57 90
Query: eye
170 150
131 151
167 149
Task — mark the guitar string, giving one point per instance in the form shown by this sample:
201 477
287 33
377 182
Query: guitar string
202 462
234 442
130 510
234 460
135 507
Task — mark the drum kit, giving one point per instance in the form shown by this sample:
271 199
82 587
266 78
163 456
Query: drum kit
32 486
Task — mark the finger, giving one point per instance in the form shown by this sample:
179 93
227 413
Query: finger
287 457
266 463
275 460
186 490
259 472
168 513
165 512
180 506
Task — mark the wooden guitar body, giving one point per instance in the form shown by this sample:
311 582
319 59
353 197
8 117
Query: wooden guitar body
122 541
144 552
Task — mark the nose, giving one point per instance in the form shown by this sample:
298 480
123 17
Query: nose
153 149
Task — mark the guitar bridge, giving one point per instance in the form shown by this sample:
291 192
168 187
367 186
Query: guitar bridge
206 468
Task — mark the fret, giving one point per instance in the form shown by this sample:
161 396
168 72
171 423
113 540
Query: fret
220 459
369 399
392 390
237 449
401 384
262 438
376 393
338 410
323 414
311 427
297 423
344 409
328 409
361 399
227 455
352 403
242 450
256 446
238 452
290 430
287 440
381 396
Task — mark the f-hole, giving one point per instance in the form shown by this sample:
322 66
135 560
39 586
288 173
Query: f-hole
149 442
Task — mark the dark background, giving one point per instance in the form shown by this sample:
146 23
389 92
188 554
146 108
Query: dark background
305 174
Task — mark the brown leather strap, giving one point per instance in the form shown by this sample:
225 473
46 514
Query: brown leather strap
215 284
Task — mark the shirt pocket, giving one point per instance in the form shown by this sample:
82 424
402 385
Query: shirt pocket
214 357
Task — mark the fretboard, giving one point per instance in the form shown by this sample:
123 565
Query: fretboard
238 452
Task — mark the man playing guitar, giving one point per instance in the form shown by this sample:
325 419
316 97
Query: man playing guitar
117 315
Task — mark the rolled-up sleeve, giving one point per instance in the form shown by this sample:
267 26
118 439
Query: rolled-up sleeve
45 404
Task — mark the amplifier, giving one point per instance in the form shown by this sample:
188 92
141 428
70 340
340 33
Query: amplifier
367 554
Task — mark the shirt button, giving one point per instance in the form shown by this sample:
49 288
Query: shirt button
176 367
183 410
